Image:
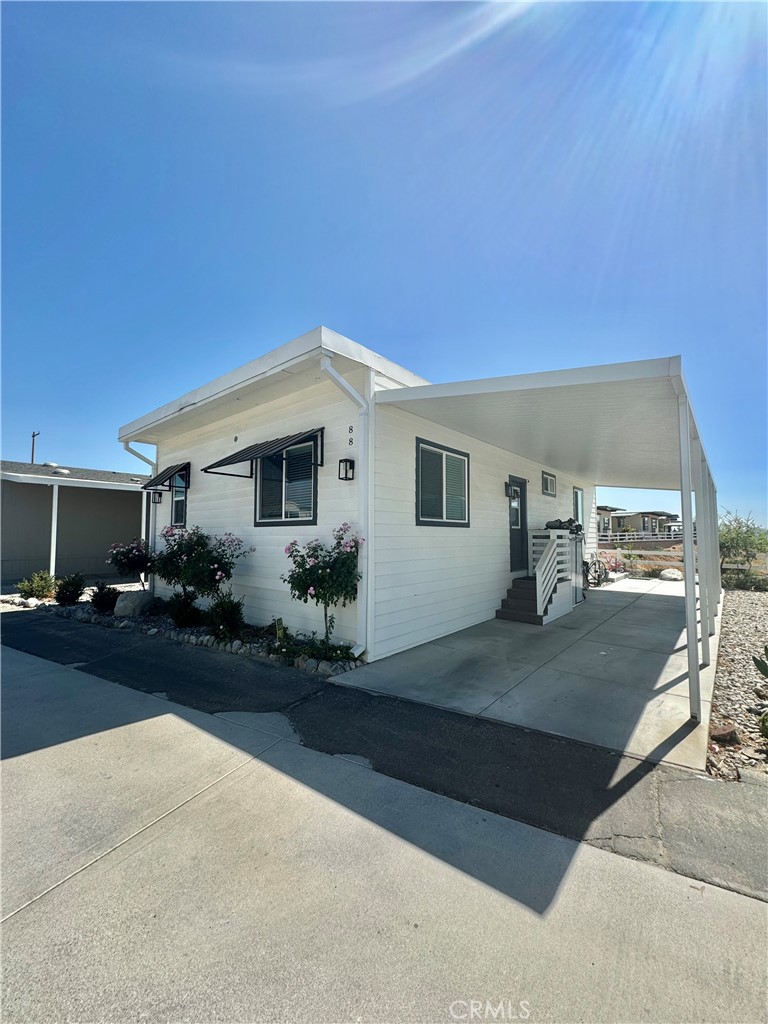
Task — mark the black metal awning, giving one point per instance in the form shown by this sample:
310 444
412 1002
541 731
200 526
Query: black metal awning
164 479
264 450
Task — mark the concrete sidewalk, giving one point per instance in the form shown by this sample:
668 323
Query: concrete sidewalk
681 820
164 864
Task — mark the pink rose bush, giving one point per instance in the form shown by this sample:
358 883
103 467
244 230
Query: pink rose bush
198 562
327 575
131 559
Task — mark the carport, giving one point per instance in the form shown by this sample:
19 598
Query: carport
592 422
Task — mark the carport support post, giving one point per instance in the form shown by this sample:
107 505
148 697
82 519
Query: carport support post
716 540
54 527
711 552
143 576
689 560
702 550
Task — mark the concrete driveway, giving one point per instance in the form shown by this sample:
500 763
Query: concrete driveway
614 672
162 864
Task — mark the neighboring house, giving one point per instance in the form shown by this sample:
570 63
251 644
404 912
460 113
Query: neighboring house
643 522
63 518
450 484
604 513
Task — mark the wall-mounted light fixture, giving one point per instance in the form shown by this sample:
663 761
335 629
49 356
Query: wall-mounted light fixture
346 469
157 497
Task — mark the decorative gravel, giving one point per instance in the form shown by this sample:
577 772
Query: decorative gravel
741 692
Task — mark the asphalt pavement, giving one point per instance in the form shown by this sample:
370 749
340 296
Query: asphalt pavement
682 820
166 864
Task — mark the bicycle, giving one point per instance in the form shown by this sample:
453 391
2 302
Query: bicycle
595 573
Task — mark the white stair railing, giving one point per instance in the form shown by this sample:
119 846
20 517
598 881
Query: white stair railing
546 575
549 558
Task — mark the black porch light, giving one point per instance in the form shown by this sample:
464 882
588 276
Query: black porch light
346 469
157 497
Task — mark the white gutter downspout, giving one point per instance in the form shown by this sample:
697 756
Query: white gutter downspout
363 486
150 540
144 458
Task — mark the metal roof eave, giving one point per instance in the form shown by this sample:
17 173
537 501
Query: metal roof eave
288 358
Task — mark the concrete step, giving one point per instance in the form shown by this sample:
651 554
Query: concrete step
515 616
524 583
514 603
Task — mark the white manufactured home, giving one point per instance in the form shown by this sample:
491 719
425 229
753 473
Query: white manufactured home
451 485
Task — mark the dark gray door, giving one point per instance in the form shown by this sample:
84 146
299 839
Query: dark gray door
518 524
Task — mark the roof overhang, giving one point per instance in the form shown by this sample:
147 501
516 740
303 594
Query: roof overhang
281 372
615 425
65 481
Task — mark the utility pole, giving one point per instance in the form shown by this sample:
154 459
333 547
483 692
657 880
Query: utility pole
35 433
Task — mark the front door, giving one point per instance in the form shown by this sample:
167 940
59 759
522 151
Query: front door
518 524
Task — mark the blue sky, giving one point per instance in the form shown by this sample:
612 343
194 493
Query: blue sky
468 189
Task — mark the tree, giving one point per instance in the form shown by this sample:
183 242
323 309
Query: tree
741 539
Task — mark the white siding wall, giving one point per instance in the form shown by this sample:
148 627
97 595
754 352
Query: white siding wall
431 581
220 503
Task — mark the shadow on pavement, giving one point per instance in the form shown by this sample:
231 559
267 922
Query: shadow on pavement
578 791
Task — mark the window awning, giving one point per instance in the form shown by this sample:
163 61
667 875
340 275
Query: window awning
164 479
264 450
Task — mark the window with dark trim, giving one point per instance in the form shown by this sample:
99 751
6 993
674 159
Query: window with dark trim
178 485
286 486
548 484
442 485
578 504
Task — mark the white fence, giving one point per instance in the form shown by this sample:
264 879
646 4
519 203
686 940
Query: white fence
643 558
641 535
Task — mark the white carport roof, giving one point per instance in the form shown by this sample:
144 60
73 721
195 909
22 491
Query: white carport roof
620 425
615 425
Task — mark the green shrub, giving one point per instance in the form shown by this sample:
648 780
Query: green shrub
183 610
158 607
69 589
761 664
225 617
743 579
293 645
653 572
40 585
104 598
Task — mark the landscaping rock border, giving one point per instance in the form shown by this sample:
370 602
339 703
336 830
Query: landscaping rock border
198 637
